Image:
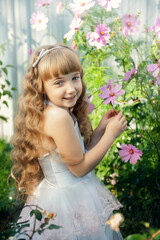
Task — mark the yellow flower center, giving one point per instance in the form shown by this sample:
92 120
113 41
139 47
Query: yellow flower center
159 65
112 94
129 24
131 151
82 4
102 32
39 20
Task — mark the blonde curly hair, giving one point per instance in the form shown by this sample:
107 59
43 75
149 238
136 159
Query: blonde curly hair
30 119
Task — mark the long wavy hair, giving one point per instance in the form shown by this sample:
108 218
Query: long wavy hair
30 120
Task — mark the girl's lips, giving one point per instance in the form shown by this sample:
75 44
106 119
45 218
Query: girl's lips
70 98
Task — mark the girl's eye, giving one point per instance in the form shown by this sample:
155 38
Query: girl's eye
75 78
59 83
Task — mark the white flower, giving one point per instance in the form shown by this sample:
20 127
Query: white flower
39 21
109 4
69 35
80 6
74 26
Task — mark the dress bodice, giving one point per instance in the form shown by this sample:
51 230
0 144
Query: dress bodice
55 171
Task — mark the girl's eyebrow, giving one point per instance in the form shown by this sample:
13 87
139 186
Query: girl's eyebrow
77 73
63 77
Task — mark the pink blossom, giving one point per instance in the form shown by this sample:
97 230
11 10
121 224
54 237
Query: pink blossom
109 4
59 8
130 74
130 153
110 93
156 27
130 24
42 3
39 21
155 68
30 51
100 37
80 6
74 26
146 29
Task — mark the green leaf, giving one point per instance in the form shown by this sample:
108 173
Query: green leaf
5 102
3 86
3 118
53 226
40 231
5 70
10 66
136 237
6 92
8 82
13 89
38 215
1 63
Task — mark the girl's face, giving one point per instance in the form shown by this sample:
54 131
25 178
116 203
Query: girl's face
64 90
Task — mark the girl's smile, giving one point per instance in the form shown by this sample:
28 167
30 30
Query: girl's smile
64 90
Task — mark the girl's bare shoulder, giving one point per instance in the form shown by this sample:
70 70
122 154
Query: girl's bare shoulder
55 117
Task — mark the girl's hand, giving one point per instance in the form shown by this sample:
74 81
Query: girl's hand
106 118
117 125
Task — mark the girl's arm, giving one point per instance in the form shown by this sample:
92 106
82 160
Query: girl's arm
99 131
60 127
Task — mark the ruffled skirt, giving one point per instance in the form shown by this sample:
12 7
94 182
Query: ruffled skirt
81 210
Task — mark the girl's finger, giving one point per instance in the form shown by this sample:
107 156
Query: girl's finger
119 116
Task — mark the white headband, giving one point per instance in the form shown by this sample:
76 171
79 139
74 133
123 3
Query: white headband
42 54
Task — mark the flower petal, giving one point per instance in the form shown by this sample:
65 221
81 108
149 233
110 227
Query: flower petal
107 101
126 158
103 96
155 73
104 89
151 67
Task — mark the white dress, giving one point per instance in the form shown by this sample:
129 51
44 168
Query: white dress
82 205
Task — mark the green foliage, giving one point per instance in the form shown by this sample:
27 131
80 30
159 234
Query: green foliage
5 163
5 84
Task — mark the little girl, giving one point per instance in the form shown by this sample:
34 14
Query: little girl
51 162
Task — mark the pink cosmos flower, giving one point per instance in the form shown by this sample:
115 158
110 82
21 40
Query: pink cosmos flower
59 8
130 24
39 21
74 26
80 6
42 3
130 74
155 68
130 153
99 37
110 93
109 4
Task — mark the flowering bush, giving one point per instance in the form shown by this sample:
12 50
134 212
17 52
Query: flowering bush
122 72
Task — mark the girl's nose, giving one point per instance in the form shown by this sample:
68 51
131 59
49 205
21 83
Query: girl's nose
70 88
